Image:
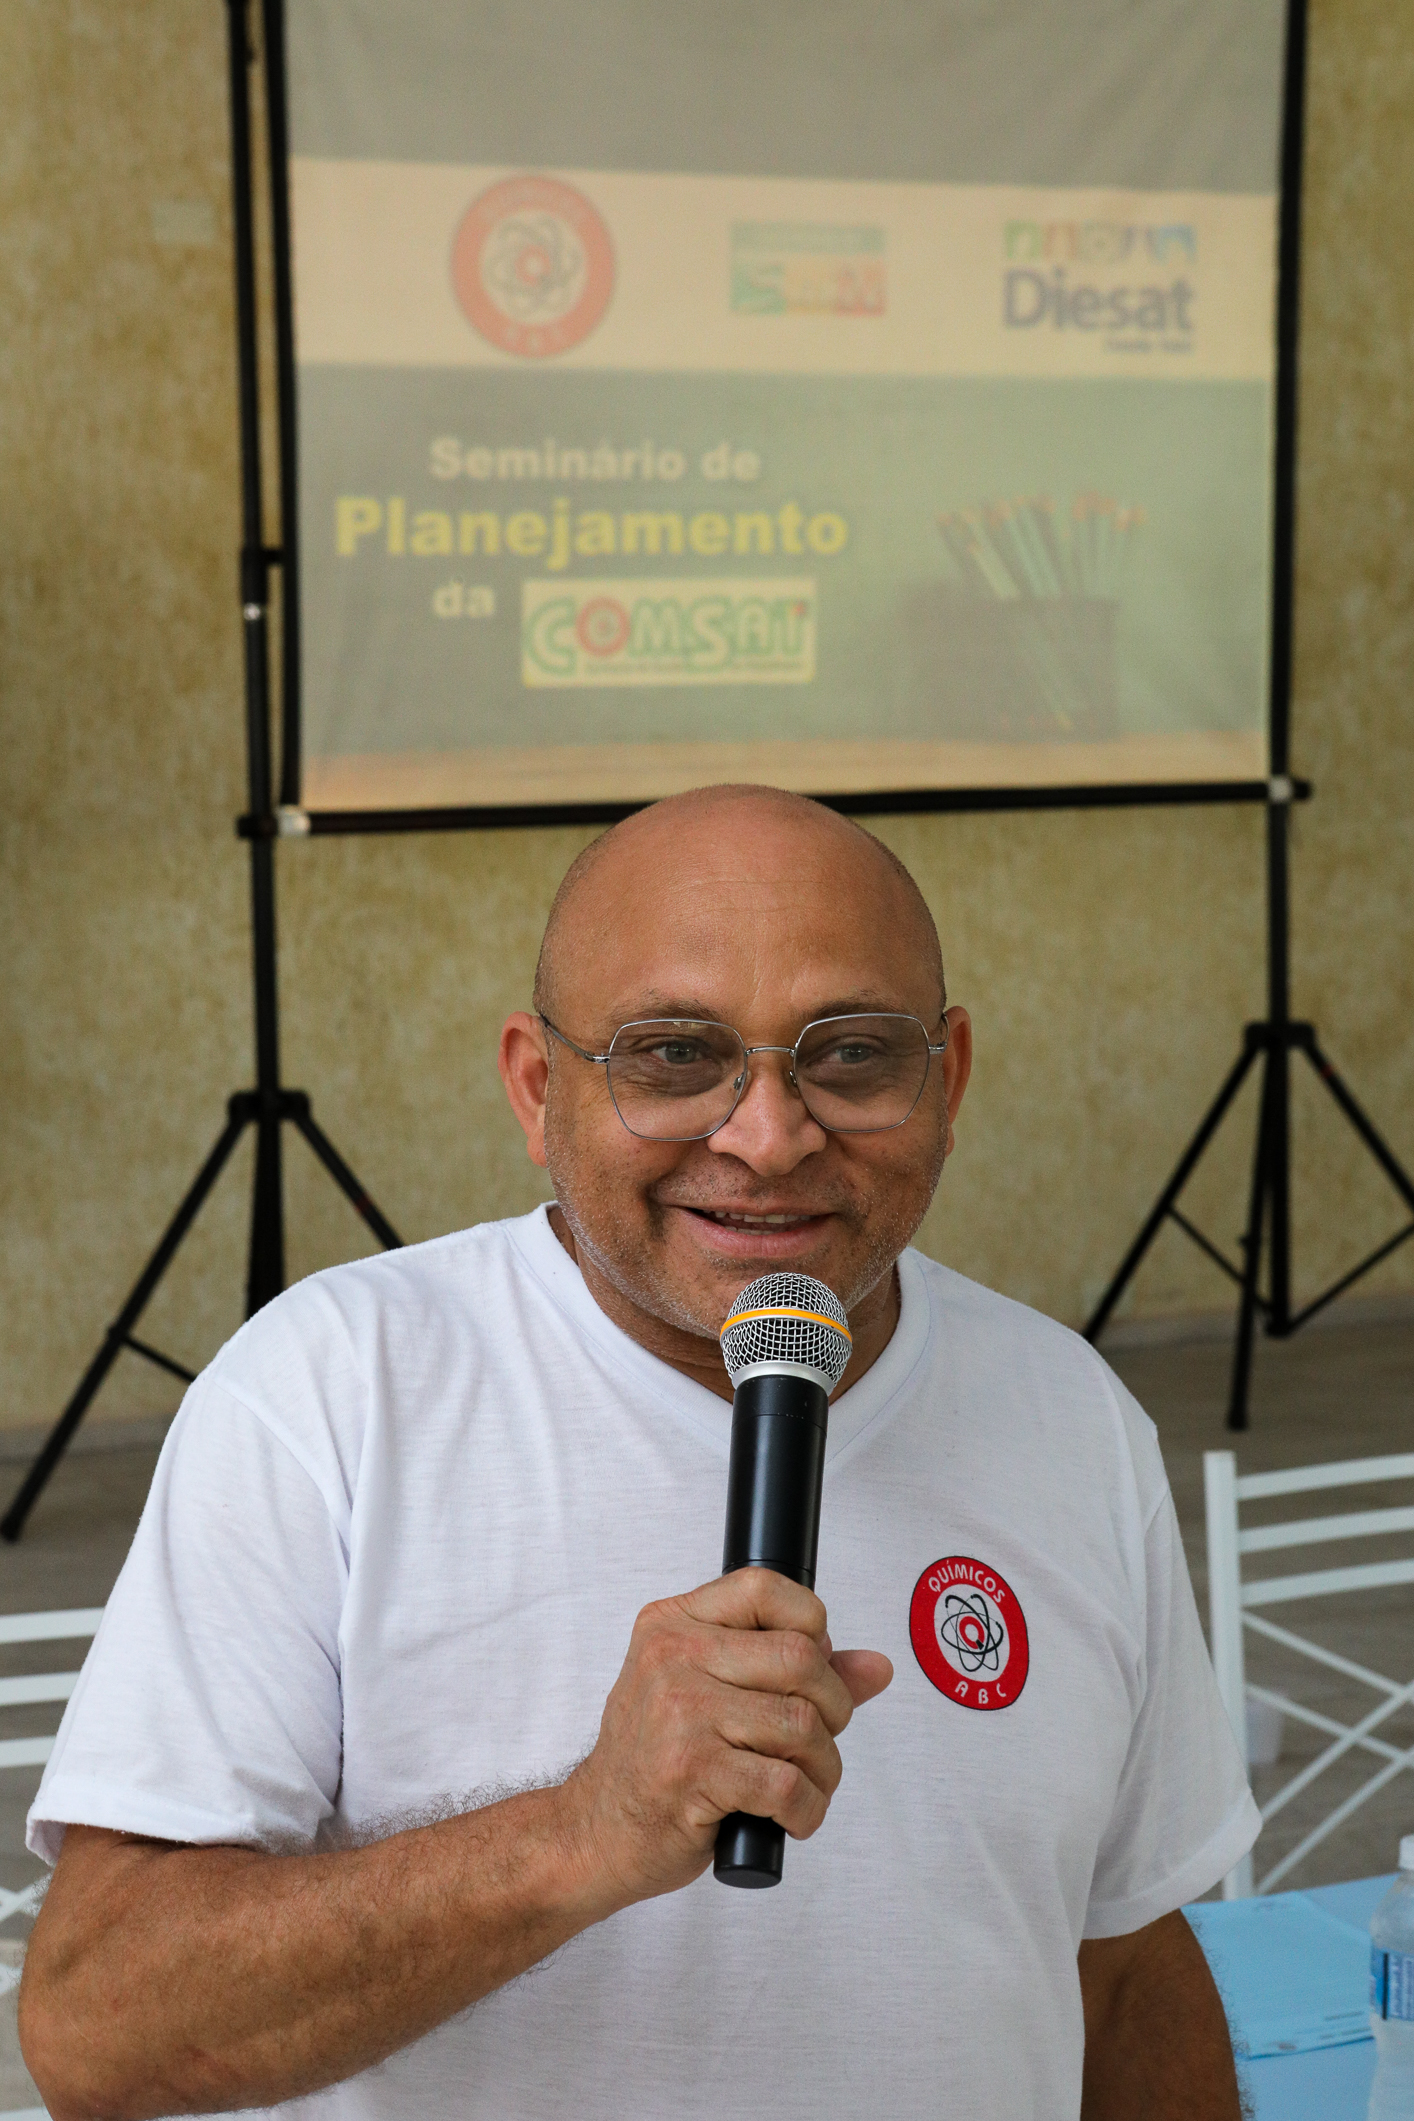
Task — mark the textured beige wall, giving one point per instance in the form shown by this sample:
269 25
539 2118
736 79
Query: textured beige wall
1109 958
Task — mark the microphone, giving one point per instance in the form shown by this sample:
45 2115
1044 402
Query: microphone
786 1345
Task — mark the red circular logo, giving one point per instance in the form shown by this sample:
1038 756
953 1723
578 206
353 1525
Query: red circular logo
533 266
969 1633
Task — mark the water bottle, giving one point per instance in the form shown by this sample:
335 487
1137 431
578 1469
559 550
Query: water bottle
1392 1995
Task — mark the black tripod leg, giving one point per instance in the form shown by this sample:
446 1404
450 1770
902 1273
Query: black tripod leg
345 1180
265 1269
1208 1126
12 1524
1252 1251
1384 1156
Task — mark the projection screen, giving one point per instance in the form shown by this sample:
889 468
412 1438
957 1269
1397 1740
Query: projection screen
850 397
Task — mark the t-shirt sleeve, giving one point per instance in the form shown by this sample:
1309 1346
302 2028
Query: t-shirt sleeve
1183 1813
209 1707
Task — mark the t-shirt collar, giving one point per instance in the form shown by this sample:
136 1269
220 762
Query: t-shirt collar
850 1415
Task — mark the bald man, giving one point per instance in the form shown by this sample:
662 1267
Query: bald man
405 1684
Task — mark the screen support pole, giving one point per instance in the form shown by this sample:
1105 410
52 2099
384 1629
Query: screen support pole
269 1107
1270 1044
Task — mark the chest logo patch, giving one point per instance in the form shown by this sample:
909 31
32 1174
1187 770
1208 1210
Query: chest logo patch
969 1633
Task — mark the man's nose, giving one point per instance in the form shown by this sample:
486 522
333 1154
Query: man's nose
770 1129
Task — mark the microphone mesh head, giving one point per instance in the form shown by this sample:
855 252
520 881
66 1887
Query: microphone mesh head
787 1318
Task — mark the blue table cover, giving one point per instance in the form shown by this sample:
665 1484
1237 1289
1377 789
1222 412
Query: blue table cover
1294 1972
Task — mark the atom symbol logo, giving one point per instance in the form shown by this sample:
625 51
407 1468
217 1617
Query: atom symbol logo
969 1633
966 1627
534 267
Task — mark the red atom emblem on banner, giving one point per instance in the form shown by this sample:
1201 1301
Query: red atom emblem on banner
969 1633
533 266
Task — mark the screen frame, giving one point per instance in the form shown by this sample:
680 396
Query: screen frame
1278 787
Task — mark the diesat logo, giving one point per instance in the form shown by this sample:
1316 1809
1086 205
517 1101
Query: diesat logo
712 632
1065 274
969 1633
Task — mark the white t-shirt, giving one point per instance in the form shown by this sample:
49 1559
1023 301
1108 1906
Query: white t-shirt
388 1570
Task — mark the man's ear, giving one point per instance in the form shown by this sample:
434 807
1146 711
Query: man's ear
957 1064
524 1062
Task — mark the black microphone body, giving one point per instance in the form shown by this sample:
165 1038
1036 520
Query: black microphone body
774 1479
779 1422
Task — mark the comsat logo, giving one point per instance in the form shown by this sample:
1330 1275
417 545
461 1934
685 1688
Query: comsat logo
710 632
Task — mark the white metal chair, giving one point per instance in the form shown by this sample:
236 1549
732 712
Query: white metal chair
78 1624
1231 1603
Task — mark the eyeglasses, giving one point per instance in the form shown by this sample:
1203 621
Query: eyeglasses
679 1079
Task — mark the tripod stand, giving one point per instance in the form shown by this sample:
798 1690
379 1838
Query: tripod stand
269 1107
1274 1040
1270 1044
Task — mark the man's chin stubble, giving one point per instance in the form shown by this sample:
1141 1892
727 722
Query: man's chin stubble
655 1302
670 1308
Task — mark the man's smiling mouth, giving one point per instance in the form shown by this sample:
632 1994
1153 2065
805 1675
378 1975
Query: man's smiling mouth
736 1221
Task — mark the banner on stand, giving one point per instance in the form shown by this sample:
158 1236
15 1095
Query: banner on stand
845 398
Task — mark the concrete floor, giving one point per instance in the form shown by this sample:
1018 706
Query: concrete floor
1334 1392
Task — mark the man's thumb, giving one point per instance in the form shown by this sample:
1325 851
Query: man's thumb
865 1672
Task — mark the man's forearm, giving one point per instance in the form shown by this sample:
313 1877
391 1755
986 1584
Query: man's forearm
222 1977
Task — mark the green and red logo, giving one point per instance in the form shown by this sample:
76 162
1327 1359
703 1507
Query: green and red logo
533 266
969 1633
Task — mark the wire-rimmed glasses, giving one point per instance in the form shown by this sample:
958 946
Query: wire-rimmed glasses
681 1078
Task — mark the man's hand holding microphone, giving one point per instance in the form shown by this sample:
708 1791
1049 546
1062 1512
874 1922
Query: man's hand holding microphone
720 1730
